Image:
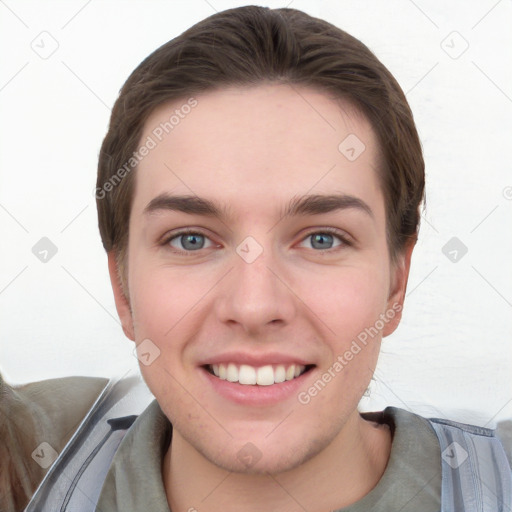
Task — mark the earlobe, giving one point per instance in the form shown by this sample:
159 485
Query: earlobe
122 302
399 278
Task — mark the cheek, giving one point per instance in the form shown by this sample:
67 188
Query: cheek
347 300
152 307
160 298
163 312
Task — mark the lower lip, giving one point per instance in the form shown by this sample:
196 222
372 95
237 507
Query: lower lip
256 395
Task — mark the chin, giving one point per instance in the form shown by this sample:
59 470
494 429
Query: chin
260 456
272 463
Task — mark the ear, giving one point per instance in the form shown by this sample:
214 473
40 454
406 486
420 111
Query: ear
398 286
122 302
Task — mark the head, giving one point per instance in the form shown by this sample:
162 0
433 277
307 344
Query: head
223 131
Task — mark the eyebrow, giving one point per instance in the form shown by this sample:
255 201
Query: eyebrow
314 204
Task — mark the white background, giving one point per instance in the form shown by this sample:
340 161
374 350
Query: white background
452 355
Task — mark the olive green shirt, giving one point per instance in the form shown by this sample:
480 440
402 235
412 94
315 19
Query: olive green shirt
410 483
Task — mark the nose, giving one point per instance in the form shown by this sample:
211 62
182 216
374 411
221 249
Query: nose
255 295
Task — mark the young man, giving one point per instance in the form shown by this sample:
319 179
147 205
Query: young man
258 195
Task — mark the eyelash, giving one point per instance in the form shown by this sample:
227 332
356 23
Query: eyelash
330 231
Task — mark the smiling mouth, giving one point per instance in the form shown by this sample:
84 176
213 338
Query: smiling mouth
257 376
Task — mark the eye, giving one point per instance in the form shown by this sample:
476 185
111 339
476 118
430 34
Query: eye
326 239
188 241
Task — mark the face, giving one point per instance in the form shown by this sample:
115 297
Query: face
259 277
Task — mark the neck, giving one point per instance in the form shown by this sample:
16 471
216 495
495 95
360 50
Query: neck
345 471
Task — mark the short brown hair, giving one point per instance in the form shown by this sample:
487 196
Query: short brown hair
248 46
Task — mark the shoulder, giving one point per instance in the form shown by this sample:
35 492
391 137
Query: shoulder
445 431
63 398
47 411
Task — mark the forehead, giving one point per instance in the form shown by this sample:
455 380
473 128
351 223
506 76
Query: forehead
249 146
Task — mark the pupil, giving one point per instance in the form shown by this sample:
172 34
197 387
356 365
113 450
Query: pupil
321 238
191 241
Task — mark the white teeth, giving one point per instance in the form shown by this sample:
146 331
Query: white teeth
279 374
265 376
247 374
262 376
232 373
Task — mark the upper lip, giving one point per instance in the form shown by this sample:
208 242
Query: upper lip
269 358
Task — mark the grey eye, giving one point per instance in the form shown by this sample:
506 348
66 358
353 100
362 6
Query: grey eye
192 241
321 241
189 241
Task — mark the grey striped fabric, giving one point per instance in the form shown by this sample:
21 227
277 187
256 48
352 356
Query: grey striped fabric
476 476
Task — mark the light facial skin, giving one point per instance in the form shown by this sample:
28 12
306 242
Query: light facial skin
324 275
